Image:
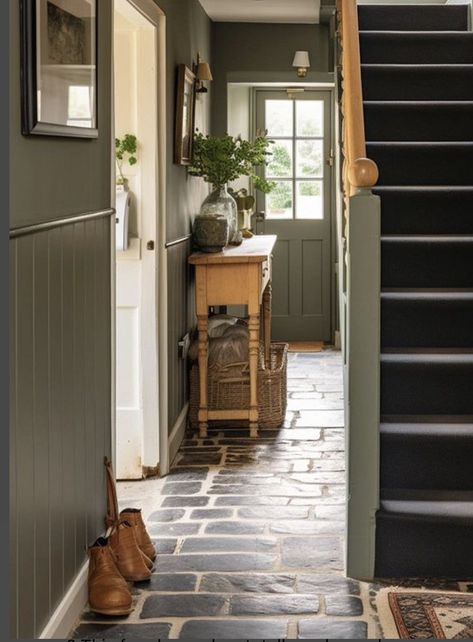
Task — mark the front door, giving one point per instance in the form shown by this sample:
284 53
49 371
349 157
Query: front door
298 210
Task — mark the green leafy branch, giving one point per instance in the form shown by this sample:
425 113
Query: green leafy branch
125 151
222 159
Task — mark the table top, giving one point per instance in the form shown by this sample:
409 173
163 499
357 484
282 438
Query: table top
254 250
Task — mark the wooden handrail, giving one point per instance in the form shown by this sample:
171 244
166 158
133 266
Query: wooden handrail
359 172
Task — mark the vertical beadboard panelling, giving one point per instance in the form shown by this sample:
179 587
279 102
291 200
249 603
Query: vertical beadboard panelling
13 459
180 297
60 425
25 426
41 463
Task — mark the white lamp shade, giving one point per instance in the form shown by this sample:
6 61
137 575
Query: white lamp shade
301 59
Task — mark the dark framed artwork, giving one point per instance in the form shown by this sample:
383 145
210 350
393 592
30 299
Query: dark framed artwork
59 67
185 108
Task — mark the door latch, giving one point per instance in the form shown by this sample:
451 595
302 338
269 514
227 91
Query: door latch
331 159
150 245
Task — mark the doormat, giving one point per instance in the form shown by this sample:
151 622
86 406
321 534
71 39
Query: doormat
416 615
306 346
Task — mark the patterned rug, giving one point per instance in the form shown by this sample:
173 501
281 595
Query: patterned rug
420 615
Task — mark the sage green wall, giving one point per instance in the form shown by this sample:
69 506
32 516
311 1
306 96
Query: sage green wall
60 349
189 30
56 177
250 52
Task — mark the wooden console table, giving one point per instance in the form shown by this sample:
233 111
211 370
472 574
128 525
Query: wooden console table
236 276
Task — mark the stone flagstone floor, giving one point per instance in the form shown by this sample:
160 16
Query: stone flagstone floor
250 532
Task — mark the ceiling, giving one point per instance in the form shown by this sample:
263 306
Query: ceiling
282 11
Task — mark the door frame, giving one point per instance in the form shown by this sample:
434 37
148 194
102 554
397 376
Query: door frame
152 12
330 89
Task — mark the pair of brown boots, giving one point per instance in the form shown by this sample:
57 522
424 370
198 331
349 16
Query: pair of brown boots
126 555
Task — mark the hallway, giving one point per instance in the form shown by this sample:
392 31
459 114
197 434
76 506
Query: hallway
250 533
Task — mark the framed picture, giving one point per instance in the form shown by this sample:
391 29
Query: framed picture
59 67
185 106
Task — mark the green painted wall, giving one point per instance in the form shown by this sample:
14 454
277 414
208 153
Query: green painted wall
250 52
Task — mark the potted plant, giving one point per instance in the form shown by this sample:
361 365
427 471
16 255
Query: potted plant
220 160
125 151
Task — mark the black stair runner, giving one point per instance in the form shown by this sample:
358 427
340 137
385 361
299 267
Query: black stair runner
417 70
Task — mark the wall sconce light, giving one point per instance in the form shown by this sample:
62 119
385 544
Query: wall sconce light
202 74
302 63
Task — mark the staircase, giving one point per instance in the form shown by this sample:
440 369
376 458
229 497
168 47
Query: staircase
417 73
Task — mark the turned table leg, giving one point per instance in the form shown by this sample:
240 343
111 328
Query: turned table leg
253 326
202 323
267 302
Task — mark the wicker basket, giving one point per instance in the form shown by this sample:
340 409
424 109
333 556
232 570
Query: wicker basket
229 389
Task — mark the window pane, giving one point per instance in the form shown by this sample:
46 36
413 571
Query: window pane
280 202
310 117
310 158
279 115
280 165
309 199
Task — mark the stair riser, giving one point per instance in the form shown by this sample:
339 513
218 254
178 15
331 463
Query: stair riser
413 18
414 547
423 164
382 82
434 122
412 388
416 48
407 323
426 463
426 212
410 264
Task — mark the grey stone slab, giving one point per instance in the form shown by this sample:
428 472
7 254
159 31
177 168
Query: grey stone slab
343 605
282 489
187 474
308 527
326 629
181 488
169 583
155 631
165 545
245 500
274 512
274 604
184 605
322 418
230 544
311 432
189 501
248 583
197 459
218 562
327 584
183 528
245 479
236 629
296 405
336 512
167 515
234 528
322 553
211 513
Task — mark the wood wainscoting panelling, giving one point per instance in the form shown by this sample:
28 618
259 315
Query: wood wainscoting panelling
181 319
60 410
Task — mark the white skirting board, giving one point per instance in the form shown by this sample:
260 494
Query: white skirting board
177 433
68 612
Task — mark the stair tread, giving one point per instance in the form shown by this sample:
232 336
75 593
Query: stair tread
433 356
425 17
434 504
428 238
428 294
428 430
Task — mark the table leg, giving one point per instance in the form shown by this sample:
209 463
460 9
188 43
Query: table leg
202 323
267 302
254 326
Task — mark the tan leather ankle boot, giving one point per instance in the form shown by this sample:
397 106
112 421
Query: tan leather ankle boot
108 591
129 558
134 517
